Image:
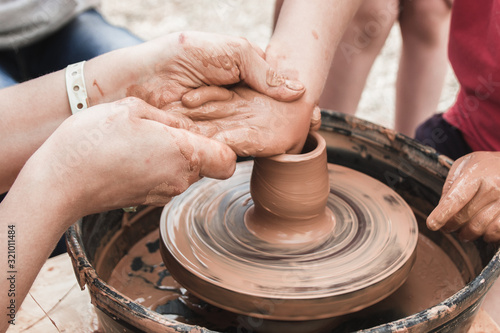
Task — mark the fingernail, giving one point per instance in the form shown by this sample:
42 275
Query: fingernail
463 238
294 85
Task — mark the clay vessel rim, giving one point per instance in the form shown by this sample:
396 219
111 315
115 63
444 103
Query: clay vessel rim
318 150
178 256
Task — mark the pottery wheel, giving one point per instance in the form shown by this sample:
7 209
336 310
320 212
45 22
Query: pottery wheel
368 255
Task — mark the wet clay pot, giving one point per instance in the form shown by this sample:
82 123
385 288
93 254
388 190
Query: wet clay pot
97 242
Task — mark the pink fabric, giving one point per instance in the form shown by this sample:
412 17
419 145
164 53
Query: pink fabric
474 53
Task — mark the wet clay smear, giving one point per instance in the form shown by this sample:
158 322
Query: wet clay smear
142 276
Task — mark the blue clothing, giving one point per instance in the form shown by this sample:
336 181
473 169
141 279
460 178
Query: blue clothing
86 36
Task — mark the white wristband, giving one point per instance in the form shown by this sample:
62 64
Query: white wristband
75 87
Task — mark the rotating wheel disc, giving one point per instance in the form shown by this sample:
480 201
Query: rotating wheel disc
208 249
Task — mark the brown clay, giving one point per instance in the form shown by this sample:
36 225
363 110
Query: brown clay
470 198
138 275
433 278
98 88
273 79
239 265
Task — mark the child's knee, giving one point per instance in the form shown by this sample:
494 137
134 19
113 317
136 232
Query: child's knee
427 20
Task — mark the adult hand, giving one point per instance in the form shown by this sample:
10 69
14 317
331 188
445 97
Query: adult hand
248 121
471 198
110 156
175 64
124 154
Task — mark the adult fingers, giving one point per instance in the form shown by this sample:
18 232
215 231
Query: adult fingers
202 95
478 224
216 159
257 49
455 172
483 198
199 157
142 110
257 73
316 119
251 141
239 61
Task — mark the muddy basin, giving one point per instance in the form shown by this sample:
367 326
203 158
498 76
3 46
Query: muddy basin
416 172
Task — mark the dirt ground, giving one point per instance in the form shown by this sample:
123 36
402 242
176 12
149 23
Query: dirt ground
253 20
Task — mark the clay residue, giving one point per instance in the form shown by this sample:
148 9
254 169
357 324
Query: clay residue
159 98
484 324
138 91
142 276
218 61
434 276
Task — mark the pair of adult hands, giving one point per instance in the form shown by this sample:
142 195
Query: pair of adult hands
222 88
197 99
208 86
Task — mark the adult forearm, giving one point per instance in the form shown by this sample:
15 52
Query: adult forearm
31 111
159 72
304 41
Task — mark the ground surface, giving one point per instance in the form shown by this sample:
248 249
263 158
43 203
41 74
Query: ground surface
251 19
